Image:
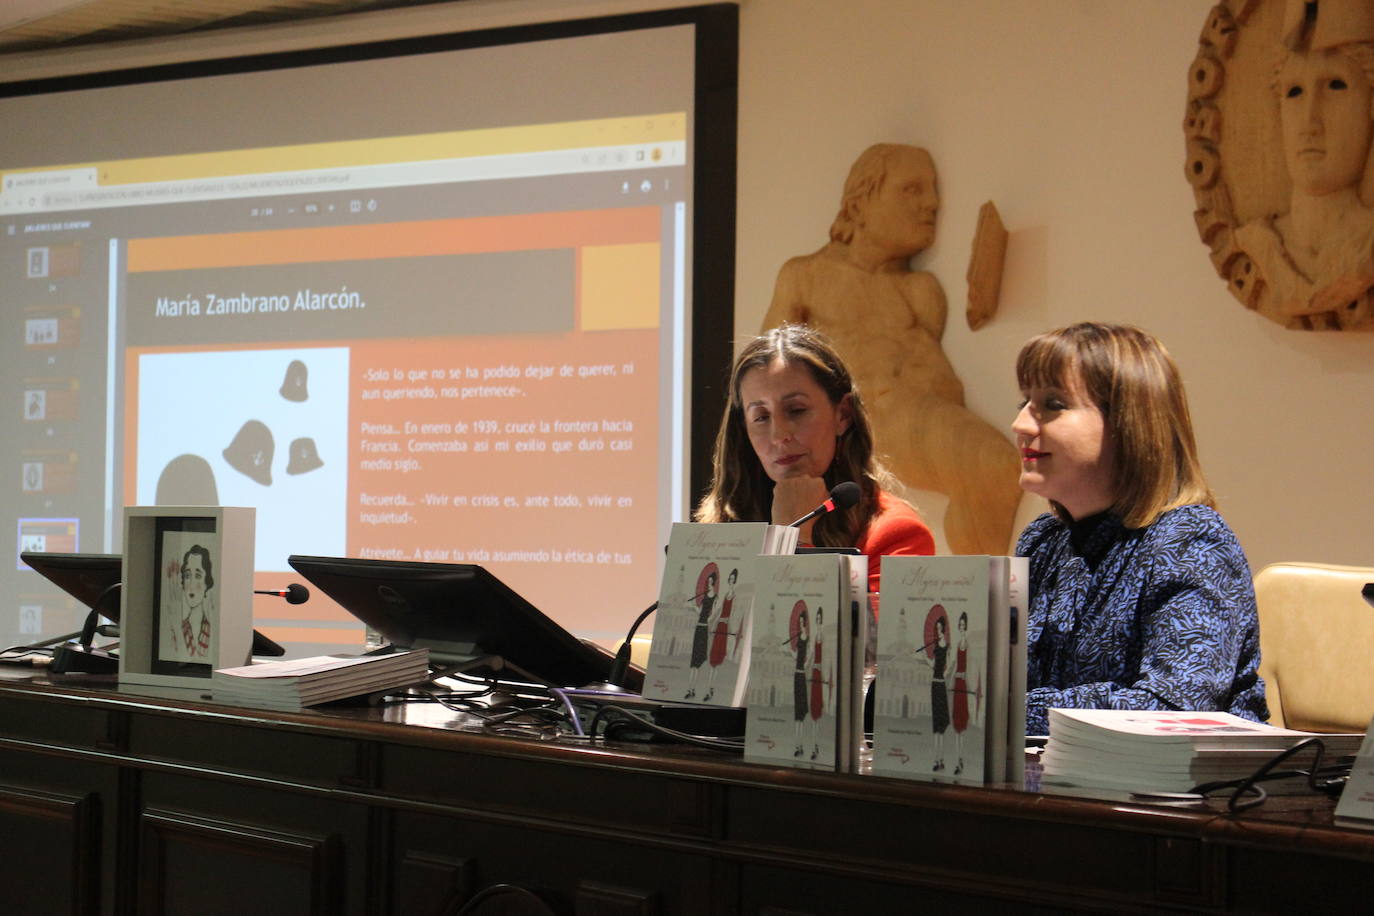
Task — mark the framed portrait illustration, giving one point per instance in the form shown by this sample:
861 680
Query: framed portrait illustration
186 606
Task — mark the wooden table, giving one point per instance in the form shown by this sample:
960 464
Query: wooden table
115 803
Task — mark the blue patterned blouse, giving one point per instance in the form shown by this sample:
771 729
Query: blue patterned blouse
1161 617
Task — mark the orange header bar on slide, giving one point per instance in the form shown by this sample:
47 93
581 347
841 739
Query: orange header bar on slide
521 232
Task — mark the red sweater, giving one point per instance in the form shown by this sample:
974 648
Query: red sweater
896 529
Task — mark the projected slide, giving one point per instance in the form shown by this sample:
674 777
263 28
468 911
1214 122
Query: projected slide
514 422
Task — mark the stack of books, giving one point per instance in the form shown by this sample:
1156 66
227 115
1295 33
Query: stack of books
1155 751
295 684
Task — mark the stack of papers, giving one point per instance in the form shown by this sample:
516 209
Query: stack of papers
1150 751
298 683
1356 807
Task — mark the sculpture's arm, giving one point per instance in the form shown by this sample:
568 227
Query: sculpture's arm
927 300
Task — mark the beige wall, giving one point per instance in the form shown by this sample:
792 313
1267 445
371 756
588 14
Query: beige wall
1068 114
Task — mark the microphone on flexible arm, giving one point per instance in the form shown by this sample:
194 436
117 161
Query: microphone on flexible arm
615 678
842 496
295 593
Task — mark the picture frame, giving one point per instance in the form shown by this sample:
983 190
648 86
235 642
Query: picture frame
186 606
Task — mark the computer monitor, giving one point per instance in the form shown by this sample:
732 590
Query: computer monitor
460 612
91 577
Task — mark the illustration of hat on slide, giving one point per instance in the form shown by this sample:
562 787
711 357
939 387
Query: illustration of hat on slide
293 386
303 458
251 452
187 480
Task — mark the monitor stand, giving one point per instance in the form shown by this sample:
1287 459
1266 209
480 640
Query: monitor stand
79 660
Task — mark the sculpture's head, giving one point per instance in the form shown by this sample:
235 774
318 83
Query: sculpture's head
1325 84
889 199
1326 112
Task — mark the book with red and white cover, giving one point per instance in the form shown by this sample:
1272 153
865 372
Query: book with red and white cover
700 647
940 712
805 693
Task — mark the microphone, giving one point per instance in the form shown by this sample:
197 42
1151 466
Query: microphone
842 496
615 678
295 593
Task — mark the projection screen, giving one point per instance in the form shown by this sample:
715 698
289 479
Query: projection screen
461 298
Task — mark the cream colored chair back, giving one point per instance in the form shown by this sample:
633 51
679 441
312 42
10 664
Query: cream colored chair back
1316 646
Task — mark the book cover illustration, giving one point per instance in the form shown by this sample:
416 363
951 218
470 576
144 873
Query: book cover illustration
188 597
929 714
795 665
700 646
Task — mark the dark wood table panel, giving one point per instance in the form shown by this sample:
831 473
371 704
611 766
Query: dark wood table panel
140 805
53 842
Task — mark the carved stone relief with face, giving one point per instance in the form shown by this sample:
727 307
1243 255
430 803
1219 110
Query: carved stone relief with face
1280 124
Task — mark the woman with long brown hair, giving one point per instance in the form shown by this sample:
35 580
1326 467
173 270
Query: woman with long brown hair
794 427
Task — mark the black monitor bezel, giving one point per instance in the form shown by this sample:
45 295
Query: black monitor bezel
70 572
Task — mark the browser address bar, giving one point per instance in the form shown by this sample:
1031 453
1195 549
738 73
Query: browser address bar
34 197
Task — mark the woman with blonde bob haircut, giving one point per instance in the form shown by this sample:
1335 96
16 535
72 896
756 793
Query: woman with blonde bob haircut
1141 596
794 427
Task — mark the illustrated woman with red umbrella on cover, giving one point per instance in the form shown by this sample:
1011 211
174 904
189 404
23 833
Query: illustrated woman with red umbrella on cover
701 635
960 718
720 638
819 683
936 655
801 641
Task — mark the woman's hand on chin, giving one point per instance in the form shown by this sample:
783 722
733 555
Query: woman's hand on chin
793 497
